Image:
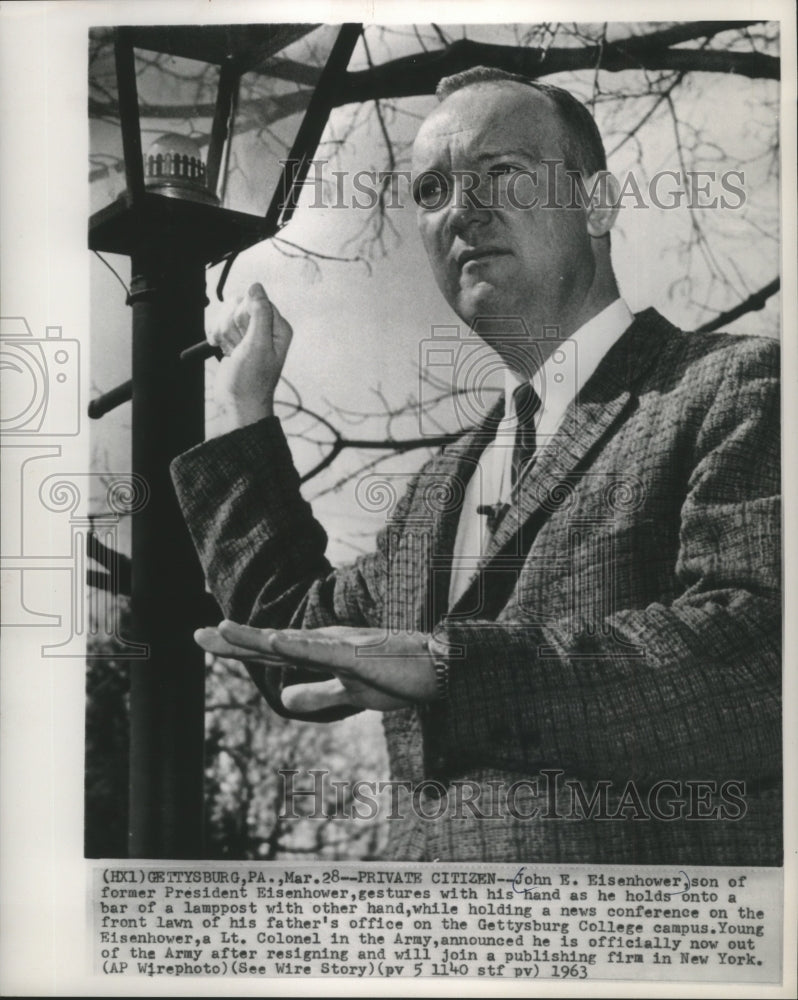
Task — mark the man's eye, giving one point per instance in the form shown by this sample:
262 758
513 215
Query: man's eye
431 190
502 168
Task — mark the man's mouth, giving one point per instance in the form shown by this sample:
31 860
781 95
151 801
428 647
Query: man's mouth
477 254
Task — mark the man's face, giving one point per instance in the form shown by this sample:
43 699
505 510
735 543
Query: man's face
499 258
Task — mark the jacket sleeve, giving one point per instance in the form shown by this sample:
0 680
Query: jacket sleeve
704 700
263 552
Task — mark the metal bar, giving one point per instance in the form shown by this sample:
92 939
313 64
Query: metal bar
203 351
123 393
110 400
129 115
222 128
310 131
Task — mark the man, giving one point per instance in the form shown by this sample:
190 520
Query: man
572 618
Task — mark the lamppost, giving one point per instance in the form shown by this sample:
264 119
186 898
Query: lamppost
176 215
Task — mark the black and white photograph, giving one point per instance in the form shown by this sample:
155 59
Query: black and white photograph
393 448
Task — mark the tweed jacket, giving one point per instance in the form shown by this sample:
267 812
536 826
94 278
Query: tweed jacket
614 665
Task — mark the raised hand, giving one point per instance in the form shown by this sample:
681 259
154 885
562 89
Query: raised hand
255 339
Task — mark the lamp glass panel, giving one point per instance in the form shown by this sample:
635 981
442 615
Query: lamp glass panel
177 97
273 99
106 161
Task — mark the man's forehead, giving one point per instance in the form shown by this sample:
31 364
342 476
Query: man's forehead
484 113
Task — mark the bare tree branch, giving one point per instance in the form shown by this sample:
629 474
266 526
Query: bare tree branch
661 97
305 252
397 446
420 73
262 108
753 303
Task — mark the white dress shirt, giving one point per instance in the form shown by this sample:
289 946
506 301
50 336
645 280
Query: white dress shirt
557 383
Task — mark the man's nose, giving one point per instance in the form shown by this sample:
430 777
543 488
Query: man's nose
468 207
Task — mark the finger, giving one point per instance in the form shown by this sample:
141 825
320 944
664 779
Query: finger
308 647
258 313
245 643
257 640
313 650
230 337
223 333
227 345
338 631
353 636
239 321
211 641
281 331
314 697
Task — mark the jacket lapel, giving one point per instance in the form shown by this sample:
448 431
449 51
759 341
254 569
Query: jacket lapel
436 515
602 402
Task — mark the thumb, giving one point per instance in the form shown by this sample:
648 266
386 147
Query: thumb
252 321
261 316
257 291
316 696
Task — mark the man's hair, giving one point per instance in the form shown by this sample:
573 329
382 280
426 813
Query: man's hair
584 148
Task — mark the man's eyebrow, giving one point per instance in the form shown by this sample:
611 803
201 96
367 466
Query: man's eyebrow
495 154
491 154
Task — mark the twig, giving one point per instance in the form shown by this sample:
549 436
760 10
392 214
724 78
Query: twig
753 303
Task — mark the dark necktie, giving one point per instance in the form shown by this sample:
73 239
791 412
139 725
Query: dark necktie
527 404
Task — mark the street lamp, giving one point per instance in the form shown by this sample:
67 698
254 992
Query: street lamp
207 121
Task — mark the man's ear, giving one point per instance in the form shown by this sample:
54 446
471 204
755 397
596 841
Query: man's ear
602 208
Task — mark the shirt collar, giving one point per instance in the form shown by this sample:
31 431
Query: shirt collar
568 368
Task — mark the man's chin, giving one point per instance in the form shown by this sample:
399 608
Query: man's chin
479 301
